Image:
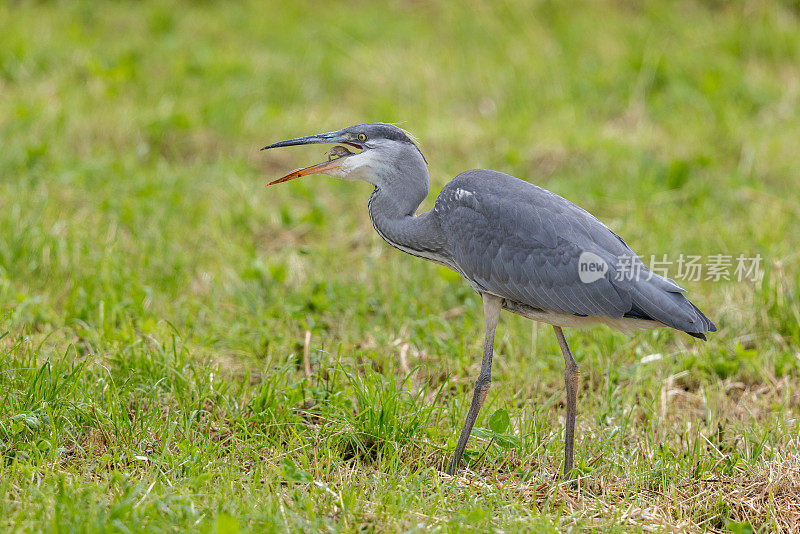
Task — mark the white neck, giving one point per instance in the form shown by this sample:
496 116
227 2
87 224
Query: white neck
401 184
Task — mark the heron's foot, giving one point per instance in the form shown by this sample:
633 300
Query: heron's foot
568 473
451 469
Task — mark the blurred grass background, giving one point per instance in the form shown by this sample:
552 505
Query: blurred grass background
154 295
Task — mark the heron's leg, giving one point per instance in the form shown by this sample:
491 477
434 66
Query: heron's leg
491 312
572 375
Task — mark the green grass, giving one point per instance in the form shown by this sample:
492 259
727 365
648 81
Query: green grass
155 296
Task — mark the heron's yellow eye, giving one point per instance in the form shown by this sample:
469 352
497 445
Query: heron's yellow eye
362 137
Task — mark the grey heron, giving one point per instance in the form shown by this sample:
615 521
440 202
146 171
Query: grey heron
520 247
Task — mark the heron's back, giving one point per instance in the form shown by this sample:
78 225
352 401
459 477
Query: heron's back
526 244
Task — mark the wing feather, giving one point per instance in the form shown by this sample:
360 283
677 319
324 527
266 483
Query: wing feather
524 243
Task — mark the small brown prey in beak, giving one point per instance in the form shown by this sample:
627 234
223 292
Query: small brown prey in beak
333 154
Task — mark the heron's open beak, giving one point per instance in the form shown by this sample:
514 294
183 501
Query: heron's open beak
334 154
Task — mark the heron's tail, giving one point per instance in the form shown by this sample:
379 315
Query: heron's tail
660 299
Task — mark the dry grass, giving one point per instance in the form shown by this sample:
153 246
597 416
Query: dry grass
768 499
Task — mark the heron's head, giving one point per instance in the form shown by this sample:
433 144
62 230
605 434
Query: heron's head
378 153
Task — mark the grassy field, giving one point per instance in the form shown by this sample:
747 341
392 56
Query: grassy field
182 348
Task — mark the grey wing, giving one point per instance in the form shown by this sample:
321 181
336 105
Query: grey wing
521 242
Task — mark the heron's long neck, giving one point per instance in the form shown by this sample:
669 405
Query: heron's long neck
393 216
